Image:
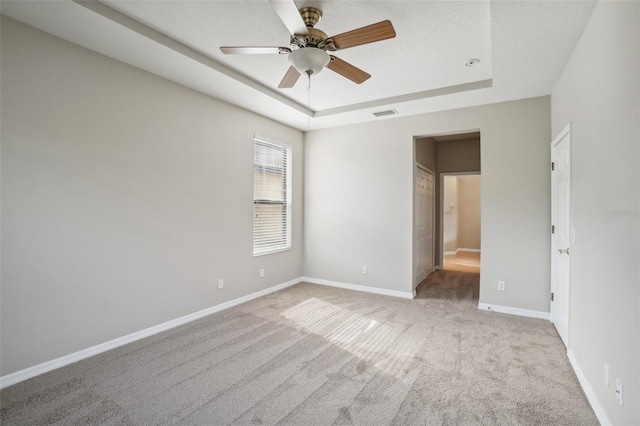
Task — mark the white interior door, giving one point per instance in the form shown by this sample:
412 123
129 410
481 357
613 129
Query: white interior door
419 233
423 255
429 224
561 233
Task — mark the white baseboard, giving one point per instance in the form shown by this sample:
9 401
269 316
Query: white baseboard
45 367
588 391
456 251
515 311
356 287
469 250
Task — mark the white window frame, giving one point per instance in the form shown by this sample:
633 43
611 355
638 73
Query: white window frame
286 246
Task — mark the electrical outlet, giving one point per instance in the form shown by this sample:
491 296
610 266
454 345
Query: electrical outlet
606 374
220 283
365 270
619 392
501 286
261 273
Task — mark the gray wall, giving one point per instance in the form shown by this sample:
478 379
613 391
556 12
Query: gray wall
359 199
125 198
426 153
598 93
458 156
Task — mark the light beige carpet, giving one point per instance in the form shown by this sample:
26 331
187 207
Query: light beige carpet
313 355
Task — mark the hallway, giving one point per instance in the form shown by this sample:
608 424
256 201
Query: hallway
458 287
463 261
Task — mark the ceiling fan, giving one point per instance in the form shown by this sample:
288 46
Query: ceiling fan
308 45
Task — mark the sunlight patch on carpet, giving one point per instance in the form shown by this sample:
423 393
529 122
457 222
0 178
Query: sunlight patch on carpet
368 339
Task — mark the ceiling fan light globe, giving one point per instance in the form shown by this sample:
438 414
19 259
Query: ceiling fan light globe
309 60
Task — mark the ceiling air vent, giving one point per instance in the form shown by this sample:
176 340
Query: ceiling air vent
384 113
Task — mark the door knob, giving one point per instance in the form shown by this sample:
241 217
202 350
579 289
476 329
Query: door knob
566 251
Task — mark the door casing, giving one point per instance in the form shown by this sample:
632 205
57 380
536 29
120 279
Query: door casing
562 235
440 264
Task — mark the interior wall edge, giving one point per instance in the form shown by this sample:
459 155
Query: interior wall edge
588 390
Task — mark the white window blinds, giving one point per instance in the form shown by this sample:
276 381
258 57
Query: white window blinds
271 197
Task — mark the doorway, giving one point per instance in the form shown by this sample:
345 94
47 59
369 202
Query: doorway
461 218
451 153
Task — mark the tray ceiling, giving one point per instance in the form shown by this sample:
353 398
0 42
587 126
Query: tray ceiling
522 47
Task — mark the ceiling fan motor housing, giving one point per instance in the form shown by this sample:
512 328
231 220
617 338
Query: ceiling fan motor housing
315 38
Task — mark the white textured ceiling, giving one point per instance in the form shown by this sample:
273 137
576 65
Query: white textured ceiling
522 46
434 39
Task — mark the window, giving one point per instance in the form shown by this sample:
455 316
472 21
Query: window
271 197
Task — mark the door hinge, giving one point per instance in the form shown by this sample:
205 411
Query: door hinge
553 229
553 166
552 297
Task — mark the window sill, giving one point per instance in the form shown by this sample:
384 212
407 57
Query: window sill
278 250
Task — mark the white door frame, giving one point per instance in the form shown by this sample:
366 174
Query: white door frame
440 264
565 133
433 224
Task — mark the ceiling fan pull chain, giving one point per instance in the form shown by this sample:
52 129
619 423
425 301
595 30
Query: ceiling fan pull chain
309 102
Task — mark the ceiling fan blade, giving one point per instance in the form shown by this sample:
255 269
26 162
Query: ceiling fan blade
347 70
289 79
290 16
369 34
255 50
